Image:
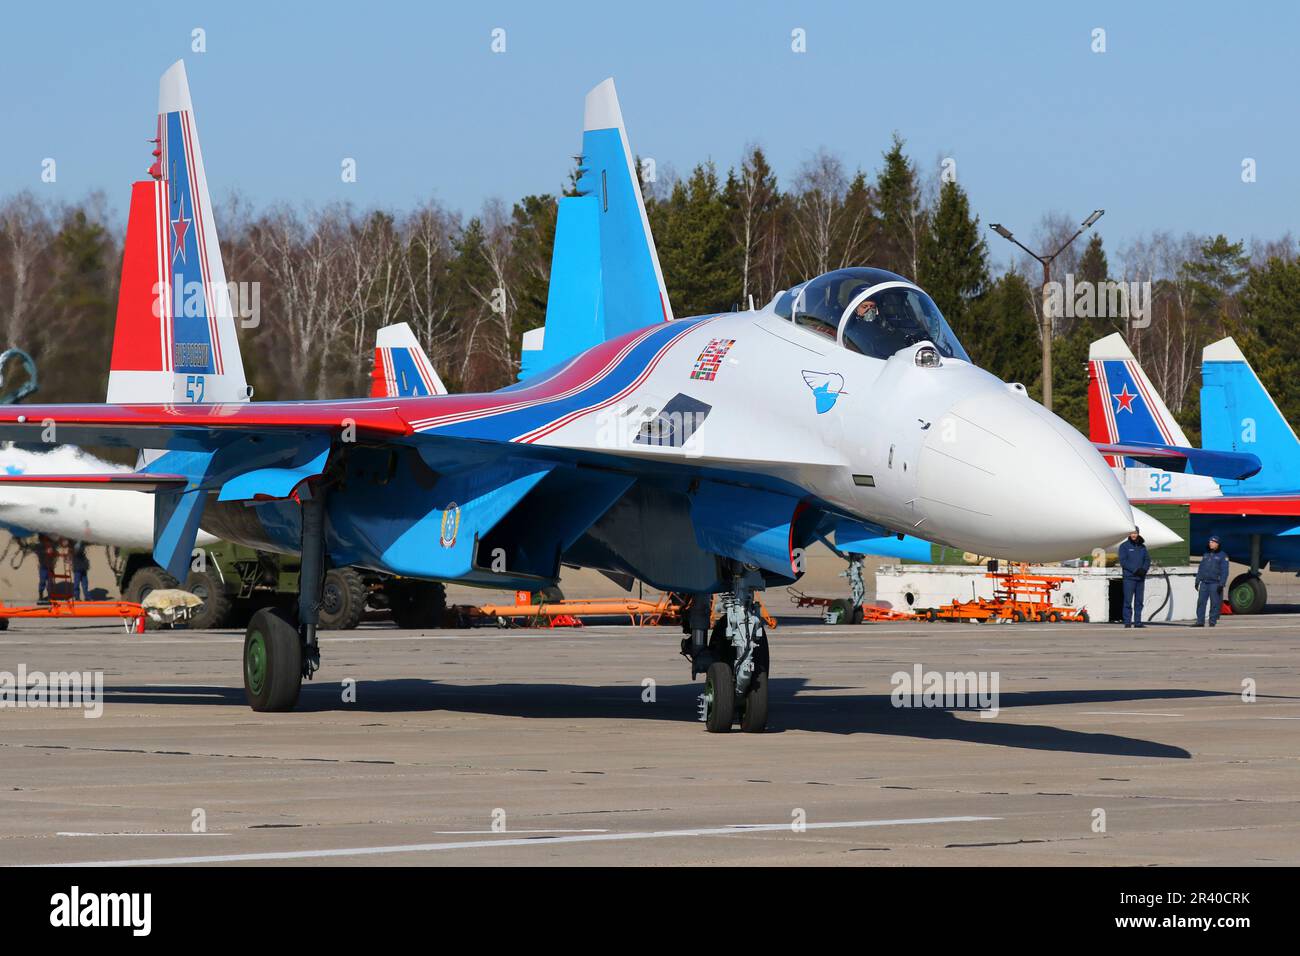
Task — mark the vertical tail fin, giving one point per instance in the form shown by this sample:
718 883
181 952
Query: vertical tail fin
175 337
1238 414
401 368
605 274
1123 405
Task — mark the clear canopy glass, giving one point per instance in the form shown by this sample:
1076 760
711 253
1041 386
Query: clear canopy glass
869 311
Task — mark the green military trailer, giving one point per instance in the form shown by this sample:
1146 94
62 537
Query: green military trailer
233 581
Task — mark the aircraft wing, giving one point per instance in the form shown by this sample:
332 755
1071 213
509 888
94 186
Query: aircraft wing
263 452
124 480
193 427
1231 465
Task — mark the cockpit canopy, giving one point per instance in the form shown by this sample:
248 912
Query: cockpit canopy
869 311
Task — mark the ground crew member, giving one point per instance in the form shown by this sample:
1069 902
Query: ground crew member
46 554
1135 561
1211 579
80 572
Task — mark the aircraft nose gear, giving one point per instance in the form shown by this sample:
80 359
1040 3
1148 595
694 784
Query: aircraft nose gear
736 675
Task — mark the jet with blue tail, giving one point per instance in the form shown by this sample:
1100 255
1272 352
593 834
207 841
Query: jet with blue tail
1242 485
699 454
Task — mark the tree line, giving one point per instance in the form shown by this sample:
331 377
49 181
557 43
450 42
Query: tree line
471 285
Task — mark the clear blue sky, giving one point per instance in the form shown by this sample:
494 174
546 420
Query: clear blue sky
1154 130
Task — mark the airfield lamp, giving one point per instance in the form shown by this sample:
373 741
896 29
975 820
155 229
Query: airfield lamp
1046 260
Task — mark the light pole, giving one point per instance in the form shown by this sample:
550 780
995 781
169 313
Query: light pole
1005 233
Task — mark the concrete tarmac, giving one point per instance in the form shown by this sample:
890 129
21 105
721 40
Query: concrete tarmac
499 747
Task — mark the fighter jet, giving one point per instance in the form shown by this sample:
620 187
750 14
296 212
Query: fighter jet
80 511
1253 509
698 454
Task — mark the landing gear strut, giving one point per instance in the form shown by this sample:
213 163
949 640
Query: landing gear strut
311 577
279 653
734 660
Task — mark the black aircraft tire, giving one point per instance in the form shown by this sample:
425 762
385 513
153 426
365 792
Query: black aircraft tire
342 599
753 720
149 578
215 611
720 684
1247 594
272 661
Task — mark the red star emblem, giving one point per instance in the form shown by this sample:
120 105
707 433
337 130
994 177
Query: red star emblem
180 226
1124 400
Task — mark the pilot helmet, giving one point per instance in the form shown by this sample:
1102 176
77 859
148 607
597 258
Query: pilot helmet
857 291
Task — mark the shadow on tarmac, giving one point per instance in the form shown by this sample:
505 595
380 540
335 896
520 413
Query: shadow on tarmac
796 706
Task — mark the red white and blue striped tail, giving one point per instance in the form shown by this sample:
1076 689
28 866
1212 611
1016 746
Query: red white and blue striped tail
175 339
401 368
1123 405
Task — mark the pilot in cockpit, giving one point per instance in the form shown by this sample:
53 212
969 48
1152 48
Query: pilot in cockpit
868 311
868 332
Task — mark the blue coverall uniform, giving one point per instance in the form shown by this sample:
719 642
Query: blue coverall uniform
1211 579
1135 561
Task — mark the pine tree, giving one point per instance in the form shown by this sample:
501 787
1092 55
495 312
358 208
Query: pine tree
533 221
1002 336
84 297
858 229
1093 266
472 281
902 220
696 249
1214 279
954 266
1270 321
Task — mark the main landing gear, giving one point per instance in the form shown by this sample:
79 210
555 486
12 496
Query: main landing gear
279 653
1246 593
733 657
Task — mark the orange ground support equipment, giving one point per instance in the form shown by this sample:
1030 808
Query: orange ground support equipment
872 612
641 613
667 610
131 614
1018 596
847 613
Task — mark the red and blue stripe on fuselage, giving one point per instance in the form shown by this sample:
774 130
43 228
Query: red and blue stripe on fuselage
596 379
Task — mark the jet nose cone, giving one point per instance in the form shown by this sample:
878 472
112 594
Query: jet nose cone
1154 533
1012 480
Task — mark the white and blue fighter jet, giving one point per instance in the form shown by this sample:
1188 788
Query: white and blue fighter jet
698 454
